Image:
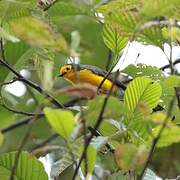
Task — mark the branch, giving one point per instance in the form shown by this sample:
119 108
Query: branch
177 61
108 63
19 112
49 139
21 122
10 82
30 83
46 5
26 120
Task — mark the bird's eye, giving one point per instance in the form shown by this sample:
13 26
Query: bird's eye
67 68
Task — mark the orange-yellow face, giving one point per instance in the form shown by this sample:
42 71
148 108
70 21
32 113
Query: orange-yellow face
66 69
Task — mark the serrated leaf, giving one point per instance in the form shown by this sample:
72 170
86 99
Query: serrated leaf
141 95
14 9
113 40
152 35
144 70
28 166
61 121
142 90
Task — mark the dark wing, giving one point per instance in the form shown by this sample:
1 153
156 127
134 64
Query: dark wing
102 73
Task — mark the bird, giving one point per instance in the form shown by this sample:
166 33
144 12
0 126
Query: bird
79 73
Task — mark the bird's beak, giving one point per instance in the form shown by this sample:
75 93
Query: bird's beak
60 75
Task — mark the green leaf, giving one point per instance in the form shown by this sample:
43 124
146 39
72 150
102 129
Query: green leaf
170 135
61 121
125 154
142 91
7 36
168 92
5 174
141 95
114 109
91 159
113 40
144 70
159 8
128 156
111 126
14 9
62 9
28 166
152 35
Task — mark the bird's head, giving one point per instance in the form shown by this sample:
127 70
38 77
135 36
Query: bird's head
66 69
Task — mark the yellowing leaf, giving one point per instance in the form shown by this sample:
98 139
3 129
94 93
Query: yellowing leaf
38 33
61 121
125 155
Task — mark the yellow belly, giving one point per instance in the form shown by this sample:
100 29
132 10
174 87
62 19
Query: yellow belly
86 76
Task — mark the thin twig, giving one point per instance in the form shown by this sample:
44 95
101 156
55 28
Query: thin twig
96 133
30 83
109 60
177 61
46 141
26 120
7 83
156 139
19 123
19 112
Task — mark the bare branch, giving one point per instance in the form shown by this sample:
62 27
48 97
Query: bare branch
19 123
35 86
177 61
44 143
19 112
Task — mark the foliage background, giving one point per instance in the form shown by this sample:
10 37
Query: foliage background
39 37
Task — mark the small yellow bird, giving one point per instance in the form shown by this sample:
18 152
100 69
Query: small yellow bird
77 73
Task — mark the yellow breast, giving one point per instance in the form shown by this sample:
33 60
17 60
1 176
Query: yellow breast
86 76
